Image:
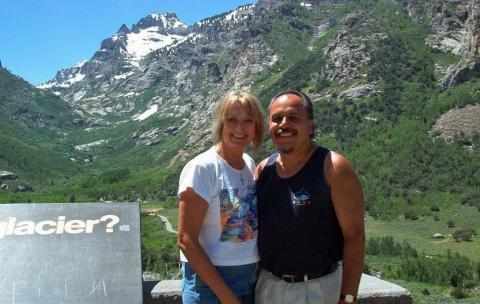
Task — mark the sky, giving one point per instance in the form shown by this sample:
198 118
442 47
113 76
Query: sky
40 37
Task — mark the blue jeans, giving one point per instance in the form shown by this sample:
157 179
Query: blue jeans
241 279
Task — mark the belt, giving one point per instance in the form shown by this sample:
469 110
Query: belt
295 278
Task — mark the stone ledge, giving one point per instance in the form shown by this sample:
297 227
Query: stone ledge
371 291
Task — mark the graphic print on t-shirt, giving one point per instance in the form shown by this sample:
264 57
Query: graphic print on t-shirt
300 198
238 214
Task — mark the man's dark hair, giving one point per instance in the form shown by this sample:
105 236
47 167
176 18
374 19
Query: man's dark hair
306 101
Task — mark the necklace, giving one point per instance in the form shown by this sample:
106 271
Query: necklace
221 153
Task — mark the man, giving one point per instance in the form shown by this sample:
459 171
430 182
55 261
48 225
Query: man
310 204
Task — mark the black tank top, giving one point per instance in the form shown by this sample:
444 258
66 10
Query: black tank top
298 231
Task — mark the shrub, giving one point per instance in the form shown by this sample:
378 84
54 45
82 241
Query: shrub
458 293
411 215
389 247
453 270
366 269
464 234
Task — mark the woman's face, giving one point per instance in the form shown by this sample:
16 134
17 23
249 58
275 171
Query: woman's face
238 128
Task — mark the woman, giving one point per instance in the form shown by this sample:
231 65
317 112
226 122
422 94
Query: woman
217 227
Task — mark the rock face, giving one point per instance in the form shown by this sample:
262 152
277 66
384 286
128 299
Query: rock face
456 29
461 72
182 70
12 182
360 91
474 27
462 123
448 22
7 175
350 51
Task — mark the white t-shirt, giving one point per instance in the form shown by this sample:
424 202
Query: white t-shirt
229 231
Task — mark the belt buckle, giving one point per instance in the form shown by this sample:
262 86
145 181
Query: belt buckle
288 278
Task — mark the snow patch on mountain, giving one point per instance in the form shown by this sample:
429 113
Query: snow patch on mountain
152 110
147 40
69 76
123 76
86 147
170 23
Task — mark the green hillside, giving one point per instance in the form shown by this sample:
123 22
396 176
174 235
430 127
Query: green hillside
32 126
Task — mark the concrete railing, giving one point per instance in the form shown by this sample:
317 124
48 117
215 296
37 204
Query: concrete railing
372 291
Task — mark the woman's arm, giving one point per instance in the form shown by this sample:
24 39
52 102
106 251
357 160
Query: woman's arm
191 212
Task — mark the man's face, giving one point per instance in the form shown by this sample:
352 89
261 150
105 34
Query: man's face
289 125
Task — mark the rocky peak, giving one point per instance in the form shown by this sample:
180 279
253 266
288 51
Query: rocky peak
167 24
224 21
123 30
119 57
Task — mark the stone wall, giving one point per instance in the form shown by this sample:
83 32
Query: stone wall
372 291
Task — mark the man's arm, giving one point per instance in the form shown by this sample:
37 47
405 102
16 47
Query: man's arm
347 197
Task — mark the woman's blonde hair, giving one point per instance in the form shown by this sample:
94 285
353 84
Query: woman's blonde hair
248 103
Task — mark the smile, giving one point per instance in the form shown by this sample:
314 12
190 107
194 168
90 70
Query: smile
239 136
285 133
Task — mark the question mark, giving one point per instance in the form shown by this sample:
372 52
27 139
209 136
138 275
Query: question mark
113 221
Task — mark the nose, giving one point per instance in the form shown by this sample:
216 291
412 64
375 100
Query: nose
283 121
238 126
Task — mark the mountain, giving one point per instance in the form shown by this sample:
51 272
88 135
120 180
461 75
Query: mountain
33 123
168 72
385 77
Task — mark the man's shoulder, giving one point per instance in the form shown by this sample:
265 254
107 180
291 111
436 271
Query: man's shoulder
262 166
338 161
337 167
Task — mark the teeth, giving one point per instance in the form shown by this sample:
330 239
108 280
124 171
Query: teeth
284 133
238 136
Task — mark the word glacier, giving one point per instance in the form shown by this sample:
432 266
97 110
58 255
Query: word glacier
60 226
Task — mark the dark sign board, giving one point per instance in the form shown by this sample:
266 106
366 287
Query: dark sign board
70 253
